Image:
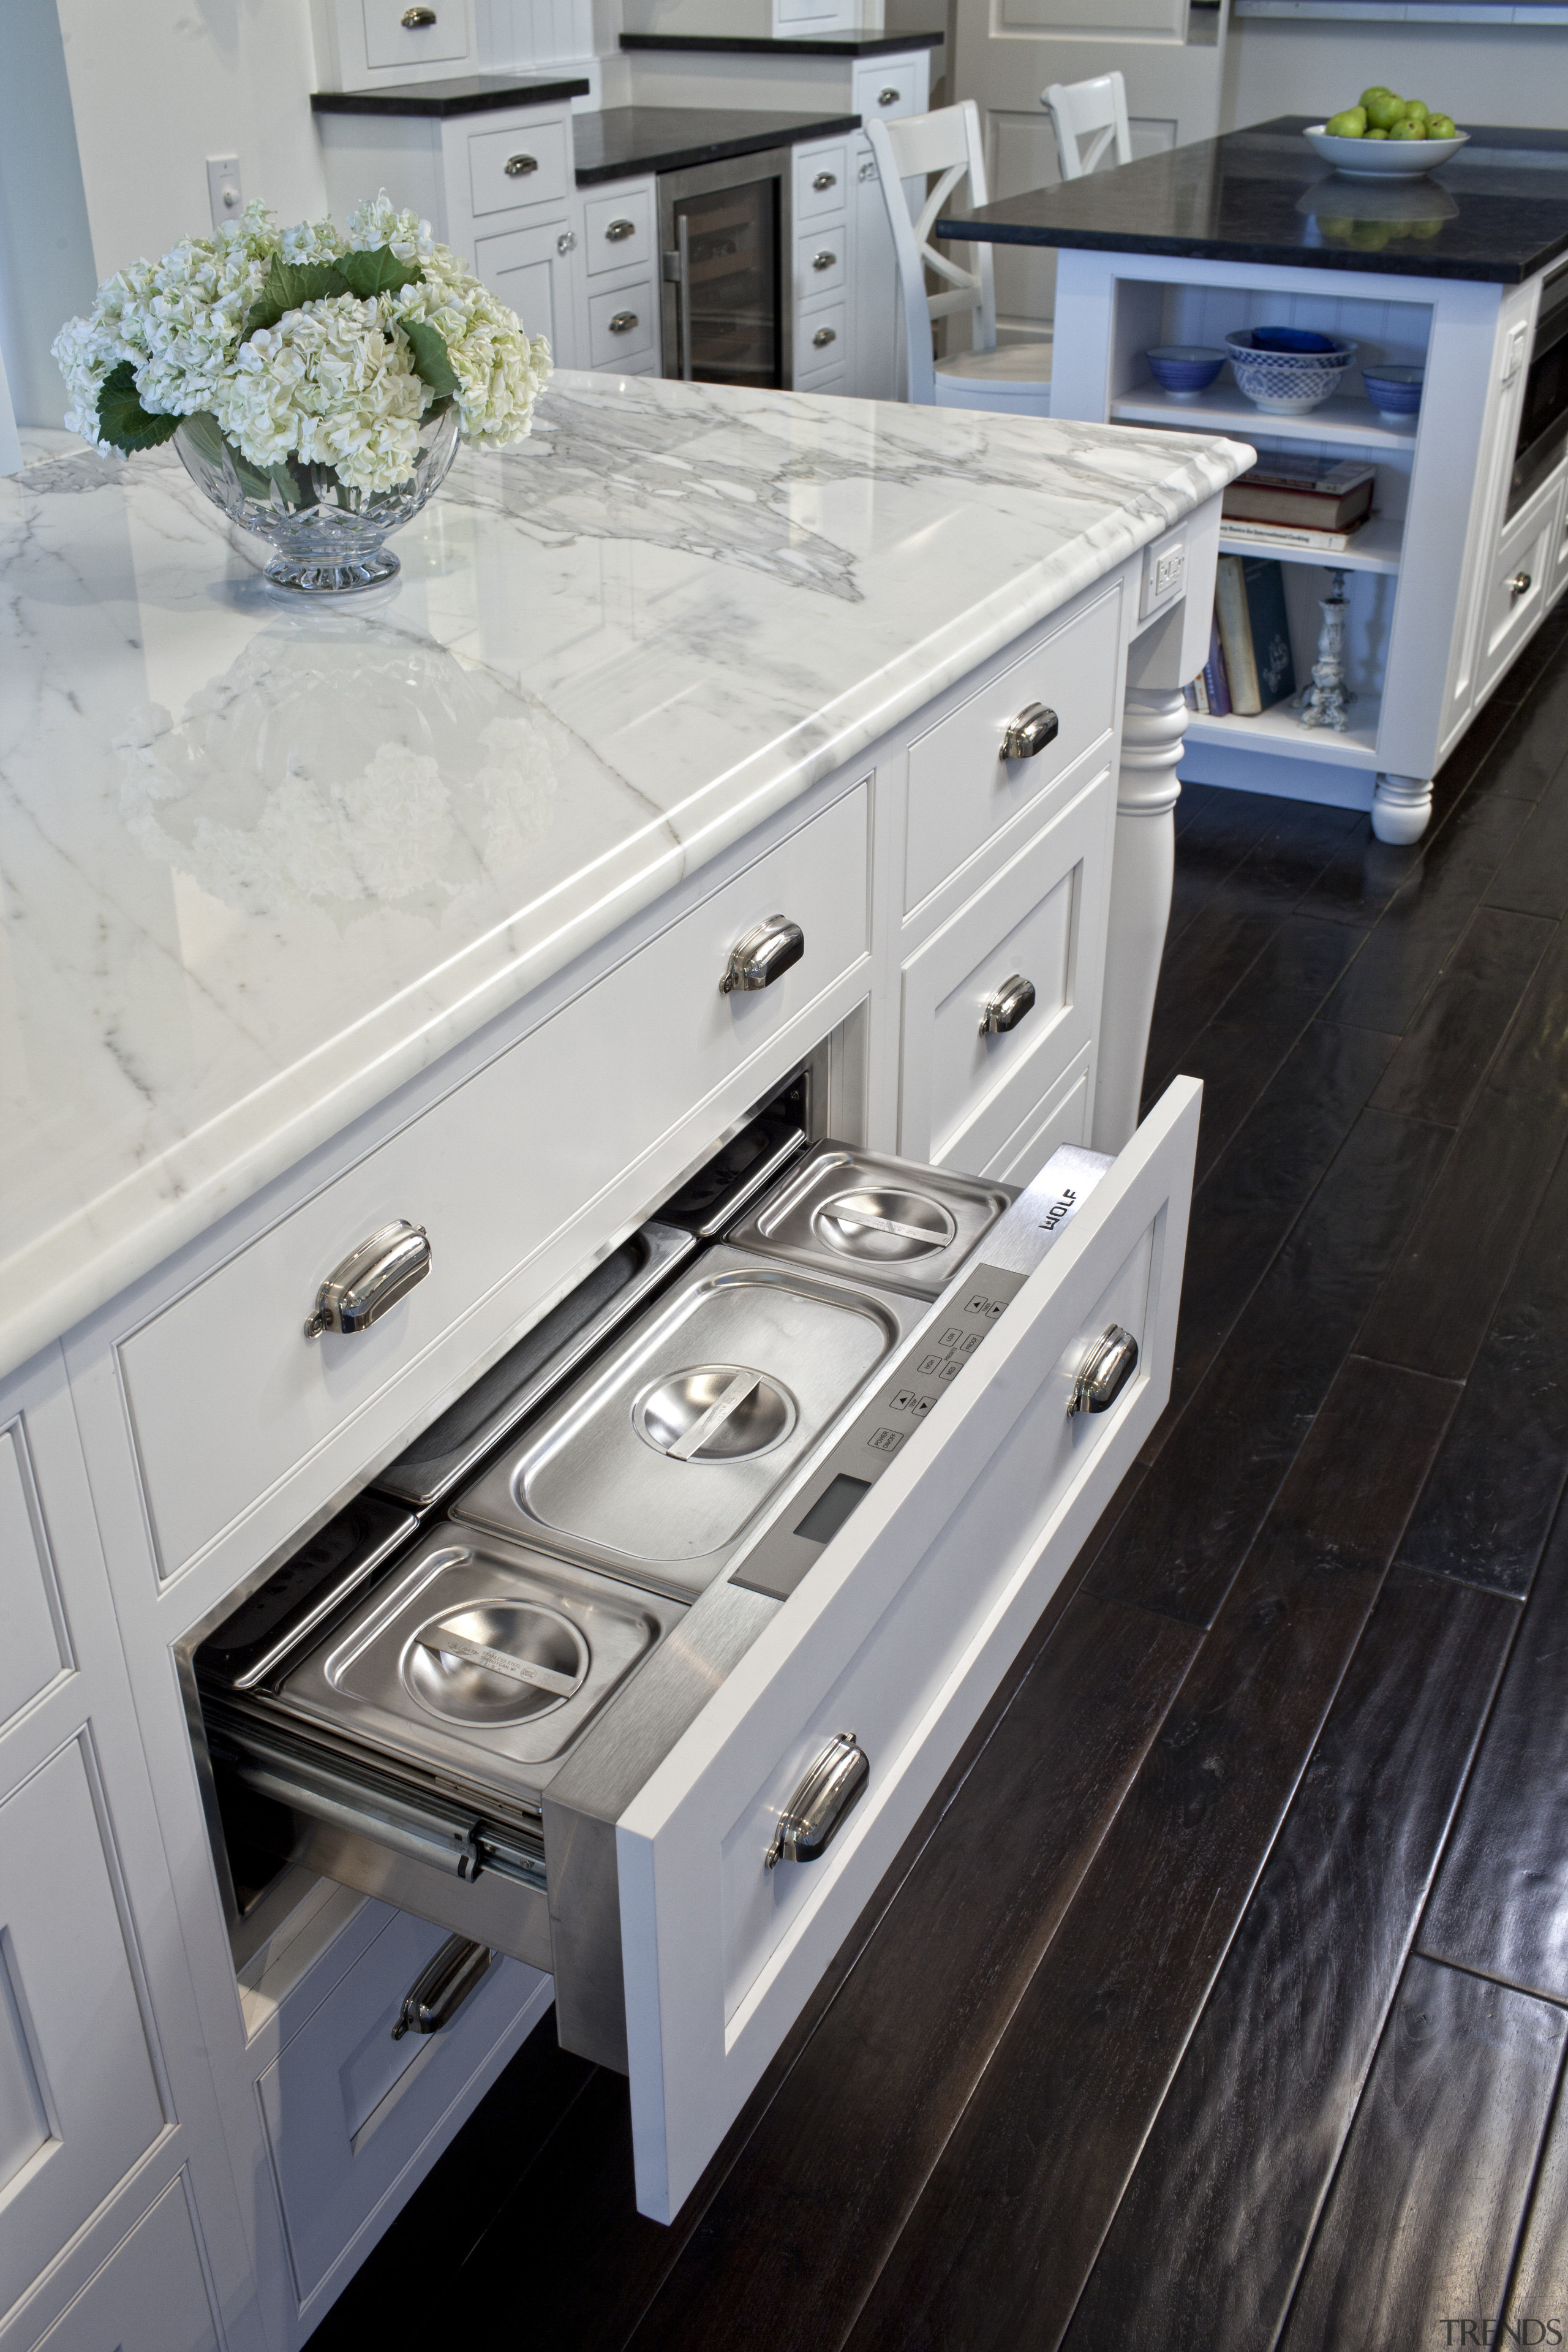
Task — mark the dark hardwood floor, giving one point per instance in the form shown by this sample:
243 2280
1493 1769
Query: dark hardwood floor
1221 1999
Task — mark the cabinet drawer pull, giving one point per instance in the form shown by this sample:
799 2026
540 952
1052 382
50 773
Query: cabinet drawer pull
372 1279
889 97
1032 729
623 322
1105 1371
822 1803
825 180
824 336
1520 584
416 20
441 1988
767 952
1009 1007
823 261
617 229
518 167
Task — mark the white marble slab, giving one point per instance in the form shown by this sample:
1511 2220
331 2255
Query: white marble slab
260 864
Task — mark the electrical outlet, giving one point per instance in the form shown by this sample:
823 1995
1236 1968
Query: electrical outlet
223 190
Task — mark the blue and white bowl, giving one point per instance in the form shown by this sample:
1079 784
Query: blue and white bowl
1394 390
1288 383
1184 369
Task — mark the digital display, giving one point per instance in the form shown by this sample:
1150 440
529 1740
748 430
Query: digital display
831 1508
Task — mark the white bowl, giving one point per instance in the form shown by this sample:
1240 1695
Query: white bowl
1381 159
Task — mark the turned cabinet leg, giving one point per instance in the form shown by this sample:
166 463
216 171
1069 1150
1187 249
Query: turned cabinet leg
1147 792
1401 807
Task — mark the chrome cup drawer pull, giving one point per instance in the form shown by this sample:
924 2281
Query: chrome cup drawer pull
623 322
824 336
518 167
822 1803
1032 729
823 261
1520 584
1105 1371
372 1279
617 229
764 955
824 180
889 97
441 1988
416 20
1009 1005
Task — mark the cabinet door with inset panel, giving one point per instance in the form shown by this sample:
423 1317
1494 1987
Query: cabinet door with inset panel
150 2296
530 270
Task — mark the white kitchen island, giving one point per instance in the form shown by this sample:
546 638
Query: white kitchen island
317 919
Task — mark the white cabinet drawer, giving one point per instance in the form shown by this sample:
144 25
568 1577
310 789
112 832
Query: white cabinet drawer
821 180
617 231
398 34
819 345
226 1396
963 1092
150 2296
529 163
962 791
901 1633
819 263
621 325
886 88
346 2108
1519 589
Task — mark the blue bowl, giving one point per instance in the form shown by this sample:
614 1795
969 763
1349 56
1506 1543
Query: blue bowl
1184 369
1394 390
1290 339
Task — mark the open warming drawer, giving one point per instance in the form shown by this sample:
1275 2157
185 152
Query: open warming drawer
678 1788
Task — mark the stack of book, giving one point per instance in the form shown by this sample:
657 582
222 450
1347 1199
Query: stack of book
1304 501
1250 666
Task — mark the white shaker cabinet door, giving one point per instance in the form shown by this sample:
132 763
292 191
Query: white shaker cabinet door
898 1635
149 2296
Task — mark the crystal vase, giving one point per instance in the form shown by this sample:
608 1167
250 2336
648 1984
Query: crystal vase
329 537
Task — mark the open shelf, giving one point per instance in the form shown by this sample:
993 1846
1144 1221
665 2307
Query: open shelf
1222 409
1375 548
1280 729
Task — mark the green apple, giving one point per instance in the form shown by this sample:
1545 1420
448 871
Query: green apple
1385 111
1348 125
1375 89
1441 126
1377 134
1414 112
1408 130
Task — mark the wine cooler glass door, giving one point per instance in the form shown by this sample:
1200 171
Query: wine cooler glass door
724 280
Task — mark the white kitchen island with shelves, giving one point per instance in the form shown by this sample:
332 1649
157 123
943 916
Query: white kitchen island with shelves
1465 553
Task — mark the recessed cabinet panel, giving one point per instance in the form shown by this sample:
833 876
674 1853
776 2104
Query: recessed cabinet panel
151 2294
80 2098
819 263
439 37
617 231
620 326
528 271
886 88
32 1650
821 181
525 165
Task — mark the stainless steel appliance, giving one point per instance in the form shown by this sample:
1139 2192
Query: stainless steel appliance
726 235
871 1219
1543 419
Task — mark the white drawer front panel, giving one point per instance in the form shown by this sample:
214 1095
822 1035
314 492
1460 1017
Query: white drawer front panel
529 165
347 2107
617 231
1519 591
389 40
901 1633
78 2098
819 345
961 791
821 181
620 326
149 2296
1062 1118
32 1645
227 1395
819 263
886 88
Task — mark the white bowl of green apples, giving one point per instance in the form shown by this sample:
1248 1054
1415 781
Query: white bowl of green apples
1383 135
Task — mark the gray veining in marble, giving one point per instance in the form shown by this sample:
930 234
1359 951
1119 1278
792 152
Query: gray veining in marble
263 863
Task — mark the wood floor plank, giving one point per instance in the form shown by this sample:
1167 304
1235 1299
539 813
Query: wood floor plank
1184 1536
1446 1050
1426 2208
1501 1903
1495 1488
1533 878
997 2252
792 2243
1208 2240
1537 2308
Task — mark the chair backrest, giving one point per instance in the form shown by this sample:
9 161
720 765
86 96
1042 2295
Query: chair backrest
948 145
1094 111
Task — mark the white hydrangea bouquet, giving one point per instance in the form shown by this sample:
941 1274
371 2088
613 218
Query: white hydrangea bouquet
315 381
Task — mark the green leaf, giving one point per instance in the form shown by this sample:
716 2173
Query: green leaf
121 419
379 271
290 286
430 355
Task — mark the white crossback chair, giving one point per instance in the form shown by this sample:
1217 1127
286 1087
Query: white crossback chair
1016 378
1094 111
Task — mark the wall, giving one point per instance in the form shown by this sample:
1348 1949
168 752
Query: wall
46 271
158 86
1482 73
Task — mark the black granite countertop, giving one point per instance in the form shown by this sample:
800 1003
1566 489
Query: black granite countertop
462 94
1498 211
809 45
626 141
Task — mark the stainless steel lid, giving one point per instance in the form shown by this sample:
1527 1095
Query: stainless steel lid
656 1465
871 1219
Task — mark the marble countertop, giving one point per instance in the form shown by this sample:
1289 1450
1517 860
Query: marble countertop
262 863
1498 212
